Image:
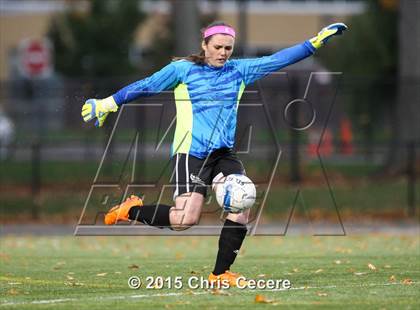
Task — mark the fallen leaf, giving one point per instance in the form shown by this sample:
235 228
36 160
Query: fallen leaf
295 270
319 270
133 266
407 281
321 294
371 267
103 274
359 273
387 266
261 299
261 275
70 278
12 291
392 278
117 272
337 262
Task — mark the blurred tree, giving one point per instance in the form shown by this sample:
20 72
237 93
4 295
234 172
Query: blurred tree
186 22
404 155
368 55
164 45
95 41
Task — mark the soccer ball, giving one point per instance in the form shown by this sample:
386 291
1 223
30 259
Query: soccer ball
236 194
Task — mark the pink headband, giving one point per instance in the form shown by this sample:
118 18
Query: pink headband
222 29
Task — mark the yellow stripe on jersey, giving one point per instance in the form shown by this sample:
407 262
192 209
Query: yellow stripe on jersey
184 120
241 91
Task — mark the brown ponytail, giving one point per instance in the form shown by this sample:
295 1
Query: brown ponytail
200 59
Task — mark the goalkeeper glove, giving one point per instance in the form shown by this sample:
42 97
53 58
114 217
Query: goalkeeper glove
326 33
99 109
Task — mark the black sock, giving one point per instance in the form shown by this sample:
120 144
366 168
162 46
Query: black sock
230 242
154 215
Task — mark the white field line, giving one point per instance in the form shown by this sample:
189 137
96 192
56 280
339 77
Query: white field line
100 298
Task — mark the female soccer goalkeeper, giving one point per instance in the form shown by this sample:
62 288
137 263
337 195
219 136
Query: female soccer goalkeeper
207 89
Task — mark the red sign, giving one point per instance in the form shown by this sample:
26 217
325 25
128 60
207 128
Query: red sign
35 58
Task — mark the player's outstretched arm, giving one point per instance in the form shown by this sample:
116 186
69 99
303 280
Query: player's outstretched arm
164 79
326 33
256 68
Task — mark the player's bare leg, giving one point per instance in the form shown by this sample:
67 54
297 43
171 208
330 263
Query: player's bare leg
241 218
187 211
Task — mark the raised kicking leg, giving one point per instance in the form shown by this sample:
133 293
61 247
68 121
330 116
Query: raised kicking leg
184 214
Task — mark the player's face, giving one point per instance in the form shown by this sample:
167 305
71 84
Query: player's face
218 49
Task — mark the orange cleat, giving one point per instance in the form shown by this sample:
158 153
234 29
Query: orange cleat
232 278
120 212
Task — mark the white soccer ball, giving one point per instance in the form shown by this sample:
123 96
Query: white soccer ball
236 194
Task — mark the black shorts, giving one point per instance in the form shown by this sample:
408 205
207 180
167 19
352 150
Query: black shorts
193 174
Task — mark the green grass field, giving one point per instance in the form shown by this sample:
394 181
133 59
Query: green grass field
364 272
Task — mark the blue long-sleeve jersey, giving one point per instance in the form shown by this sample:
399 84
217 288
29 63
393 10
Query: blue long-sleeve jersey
207 97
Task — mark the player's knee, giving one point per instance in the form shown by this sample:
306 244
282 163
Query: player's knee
187 212
191 220
182 221
218 179
241 218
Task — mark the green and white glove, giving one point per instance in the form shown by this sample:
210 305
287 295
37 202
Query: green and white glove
99 109
326 33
